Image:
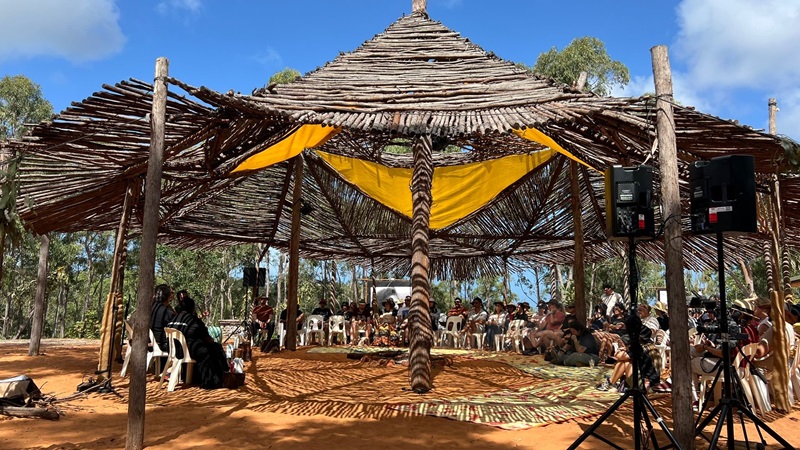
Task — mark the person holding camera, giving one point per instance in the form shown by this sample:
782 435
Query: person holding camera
579 347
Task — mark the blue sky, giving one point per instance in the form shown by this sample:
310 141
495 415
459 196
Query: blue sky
728 56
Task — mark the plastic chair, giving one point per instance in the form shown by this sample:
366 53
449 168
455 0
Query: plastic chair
452 329
758 387
709 378
155 354
175 338
499 340
794 373
129 331
336 327
516 332
662 344
478 338
315 326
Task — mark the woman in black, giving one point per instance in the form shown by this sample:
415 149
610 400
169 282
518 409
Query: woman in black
210 359
161 314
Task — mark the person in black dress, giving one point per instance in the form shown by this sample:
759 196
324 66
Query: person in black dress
161 314
210 359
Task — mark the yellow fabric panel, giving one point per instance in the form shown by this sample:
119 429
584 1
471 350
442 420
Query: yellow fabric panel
457 191
307 136
532 134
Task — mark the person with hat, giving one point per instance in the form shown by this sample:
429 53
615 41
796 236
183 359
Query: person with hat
550 334
662 316
476 319
761 310
457 309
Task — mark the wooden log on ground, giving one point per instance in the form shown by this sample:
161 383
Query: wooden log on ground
38 413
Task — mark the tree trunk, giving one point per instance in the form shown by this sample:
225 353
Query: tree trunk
673 251
147 258
41 297
419 318
354 279
87 247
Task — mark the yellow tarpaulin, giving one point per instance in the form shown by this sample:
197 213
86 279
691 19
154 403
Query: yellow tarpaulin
532 134
457 191
307 136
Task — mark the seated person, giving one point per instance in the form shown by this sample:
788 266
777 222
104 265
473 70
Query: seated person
262 319
495 323
322 310
476 319
648 374
386 327
433 310
579 347
764 357
598 319
161 315
210 359
361 319
457 309
647 320
299 320
549 335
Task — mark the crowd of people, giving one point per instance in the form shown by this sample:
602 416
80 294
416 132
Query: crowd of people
554 331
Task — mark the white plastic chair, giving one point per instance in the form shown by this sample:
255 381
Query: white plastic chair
709 378
516 332
314 326
336 327
758 387
175 338
452 330
662 344
477 338
155 354
129 331
794 373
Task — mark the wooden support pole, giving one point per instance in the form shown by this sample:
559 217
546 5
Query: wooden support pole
147 260
419 5
41 296
115 292
294 258
579 268
780 264
419 318
673 250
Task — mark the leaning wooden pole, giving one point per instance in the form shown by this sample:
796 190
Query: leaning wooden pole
579 267
419 319
147 260
41 297
294 258
114 298
780 255
673 249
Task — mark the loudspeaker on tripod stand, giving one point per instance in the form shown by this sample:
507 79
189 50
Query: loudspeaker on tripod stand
723 195
629 202
249 278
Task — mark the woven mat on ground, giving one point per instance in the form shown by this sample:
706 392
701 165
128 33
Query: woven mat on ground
549 401
539 368
370 349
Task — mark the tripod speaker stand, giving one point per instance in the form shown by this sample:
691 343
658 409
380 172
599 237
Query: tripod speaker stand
641 405
725 406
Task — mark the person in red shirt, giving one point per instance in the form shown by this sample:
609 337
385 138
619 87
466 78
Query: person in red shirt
457 309
551 333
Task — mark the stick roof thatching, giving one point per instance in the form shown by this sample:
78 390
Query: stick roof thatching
416 77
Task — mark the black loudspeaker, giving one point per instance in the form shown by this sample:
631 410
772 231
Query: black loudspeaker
629 202
723 194
249 277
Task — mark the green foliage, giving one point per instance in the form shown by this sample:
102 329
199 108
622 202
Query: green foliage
285 76
21 102
586 54
88 328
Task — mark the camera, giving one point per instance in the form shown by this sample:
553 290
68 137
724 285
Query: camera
713 332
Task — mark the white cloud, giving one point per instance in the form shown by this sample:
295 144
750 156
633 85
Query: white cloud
193 6
788 117
740 43
270 58
77 30
682 89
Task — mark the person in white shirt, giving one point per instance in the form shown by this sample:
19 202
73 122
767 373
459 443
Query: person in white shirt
495 323
610 298
648 320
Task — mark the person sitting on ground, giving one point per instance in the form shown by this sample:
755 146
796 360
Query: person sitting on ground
495 323
361 319
161 314
262 319
648 374
476 320
579 347
210 359
598 319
